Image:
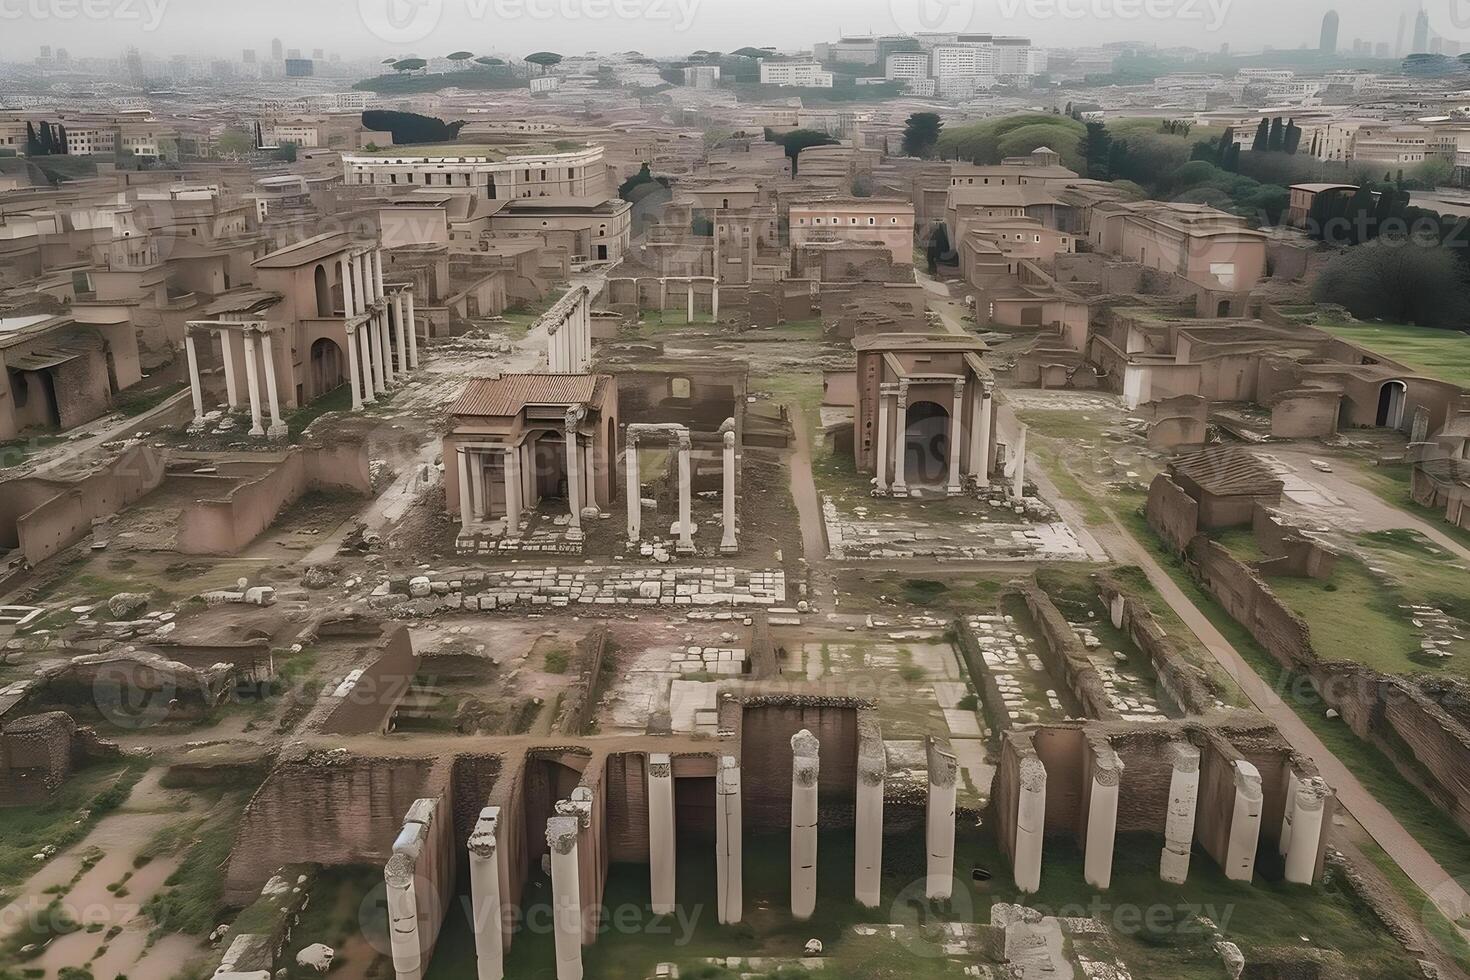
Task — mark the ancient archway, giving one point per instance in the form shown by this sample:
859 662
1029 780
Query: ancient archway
1391 404
327 363
926 444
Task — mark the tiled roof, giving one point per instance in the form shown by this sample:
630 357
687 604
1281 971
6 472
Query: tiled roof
1228 471
508 394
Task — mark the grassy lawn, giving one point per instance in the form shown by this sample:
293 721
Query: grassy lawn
1442 354
1390 483
27 830
132 403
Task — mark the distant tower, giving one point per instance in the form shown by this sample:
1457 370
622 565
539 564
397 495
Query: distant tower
278 50
1421 33
1328 42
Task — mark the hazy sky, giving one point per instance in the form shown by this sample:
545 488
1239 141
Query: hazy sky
430 27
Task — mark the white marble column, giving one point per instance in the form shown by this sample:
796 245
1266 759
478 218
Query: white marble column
1179 822
196 386
252 381
883 408
686 517
714 299
574 480
956 440
480 501
1308 810
359 290
939 821
377 261
1245 823
403 916
403 363
805 768
365 345
589 477
1018 487
661 849
349 310
566 896
485 915
277 428
466 501
901 440
413 332
354 370
634 488
1293 783
1102 817
982 439
385 342
227 358
512 493
1030 824
729 850
728 543
691 300
872 774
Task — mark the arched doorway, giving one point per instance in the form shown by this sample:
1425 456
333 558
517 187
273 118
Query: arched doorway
324 304
1391 404
327 362
926 444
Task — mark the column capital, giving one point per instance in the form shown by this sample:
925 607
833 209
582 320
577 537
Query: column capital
959 388
574 417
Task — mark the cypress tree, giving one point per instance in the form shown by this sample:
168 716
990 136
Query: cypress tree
1263 132
1275 136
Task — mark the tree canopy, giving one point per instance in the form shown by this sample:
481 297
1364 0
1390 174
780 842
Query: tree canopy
409 128
796 141
921 134
1399 280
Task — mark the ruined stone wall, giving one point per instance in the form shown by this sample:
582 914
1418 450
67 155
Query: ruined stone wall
1250 602
83 391
980 675
626 785
1215 806
1181 689
579 700
769 723
1066 658
1172 513
35 758
325 811
367 704
1063 750
61 512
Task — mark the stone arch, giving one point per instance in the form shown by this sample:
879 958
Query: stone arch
328 363
1392 397
926 443
324 304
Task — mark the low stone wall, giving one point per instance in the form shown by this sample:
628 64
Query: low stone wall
35 757
980 676
1252 604
579 700
1182 691
367 699
1066 658
1171 513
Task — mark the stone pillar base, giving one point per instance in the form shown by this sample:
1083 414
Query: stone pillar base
278 431
727 549
954 491
899 490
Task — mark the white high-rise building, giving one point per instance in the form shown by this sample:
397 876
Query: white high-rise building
907 66
798 74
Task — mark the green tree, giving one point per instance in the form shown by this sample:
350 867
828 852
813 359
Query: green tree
1276 136
543 59
1096 145
798 140
1400 281
1263 134
921 134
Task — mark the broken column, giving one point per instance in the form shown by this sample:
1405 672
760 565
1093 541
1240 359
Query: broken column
195 386
485 916
872 772
681 443
805 767
883 393
901 440
980 437
403 917
728 544
1179 821
566 896
252 381
574 487
354 368
1030 823
939 824
634 491
277 428
1308 806
512 492
1102 815
956 440
729 849
661 850
1245 823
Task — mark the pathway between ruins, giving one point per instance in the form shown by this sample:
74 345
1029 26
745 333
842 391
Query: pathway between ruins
1447 894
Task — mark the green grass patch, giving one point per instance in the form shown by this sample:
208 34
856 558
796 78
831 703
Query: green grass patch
1442 354
557 660
191 901
61 822
133 404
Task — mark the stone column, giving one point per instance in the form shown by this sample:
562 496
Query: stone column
371 384
956 440
1018 488
1245 823
252 381
1102 817
1179 823
661 851
566 896
883 394
273 395
359 290
714 299
403 916
574 481
196 387
872 773
377 260
589 477
634 489
403 364
900 440
485 914
227 357
939 823
480 502
385 343
663 294
1308 810
466 503
1030 824
981 436
728 544
805 768
348 309
354 369
413 334
729 853
690 284
512 493
1293 783
686 518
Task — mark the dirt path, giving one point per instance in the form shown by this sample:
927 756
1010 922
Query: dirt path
804 490
1444 891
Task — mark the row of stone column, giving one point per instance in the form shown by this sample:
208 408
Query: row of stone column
893 402
680 444
366 304
663 292
518 474
259 359
569 342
